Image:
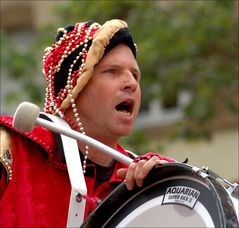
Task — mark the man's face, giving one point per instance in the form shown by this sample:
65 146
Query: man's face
110 102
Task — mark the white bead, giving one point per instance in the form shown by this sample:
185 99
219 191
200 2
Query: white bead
78 119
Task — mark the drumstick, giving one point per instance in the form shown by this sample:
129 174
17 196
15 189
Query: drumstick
27 115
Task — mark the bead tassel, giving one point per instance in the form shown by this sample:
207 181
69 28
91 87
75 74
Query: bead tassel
53 58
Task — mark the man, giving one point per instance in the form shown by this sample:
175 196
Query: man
93 84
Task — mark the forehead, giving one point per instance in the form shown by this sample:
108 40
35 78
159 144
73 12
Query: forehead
119 55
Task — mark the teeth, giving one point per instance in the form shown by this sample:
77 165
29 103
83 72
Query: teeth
125 112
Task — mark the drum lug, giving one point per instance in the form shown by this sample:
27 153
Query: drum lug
200 172
234 190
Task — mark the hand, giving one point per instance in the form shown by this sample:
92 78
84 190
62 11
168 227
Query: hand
137 171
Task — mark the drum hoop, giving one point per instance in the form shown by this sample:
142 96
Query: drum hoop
183 170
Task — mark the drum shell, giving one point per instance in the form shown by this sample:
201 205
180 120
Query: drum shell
108 212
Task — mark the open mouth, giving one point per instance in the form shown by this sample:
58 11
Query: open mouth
125 107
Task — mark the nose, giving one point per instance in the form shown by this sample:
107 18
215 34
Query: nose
129 82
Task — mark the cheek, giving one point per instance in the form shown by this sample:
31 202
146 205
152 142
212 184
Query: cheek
93 101
138 97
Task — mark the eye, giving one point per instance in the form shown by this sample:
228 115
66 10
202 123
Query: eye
110 71
136 75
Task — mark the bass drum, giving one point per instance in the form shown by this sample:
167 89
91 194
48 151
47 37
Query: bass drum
173 195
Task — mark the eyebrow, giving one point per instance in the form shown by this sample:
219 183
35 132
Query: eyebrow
115 65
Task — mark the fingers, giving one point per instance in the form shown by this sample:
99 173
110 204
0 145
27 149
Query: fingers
138 175
129 179
137 171
122 173
147 166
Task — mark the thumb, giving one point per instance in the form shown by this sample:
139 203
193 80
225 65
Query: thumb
122 173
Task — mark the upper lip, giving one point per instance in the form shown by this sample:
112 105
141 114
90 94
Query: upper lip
125 105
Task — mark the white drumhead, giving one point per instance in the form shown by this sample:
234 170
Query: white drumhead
153 214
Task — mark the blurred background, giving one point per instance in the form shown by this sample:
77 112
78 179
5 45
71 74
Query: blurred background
188 55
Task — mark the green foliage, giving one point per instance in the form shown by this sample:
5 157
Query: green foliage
21 67
182 45
138 143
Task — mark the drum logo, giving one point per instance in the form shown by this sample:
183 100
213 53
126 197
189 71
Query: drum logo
181 195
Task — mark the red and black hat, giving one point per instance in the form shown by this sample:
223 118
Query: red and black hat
69 63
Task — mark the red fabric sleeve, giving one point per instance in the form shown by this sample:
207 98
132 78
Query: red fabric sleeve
3 181
151 154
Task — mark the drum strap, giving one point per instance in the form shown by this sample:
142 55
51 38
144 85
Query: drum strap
75 171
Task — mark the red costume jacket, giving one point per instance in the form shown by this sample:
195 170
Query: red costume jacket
39 191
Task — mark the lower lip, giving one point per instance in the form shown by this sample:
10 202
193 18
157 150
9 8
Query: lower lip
125 115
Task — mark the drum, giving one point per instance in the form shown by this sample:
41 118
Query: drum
173 195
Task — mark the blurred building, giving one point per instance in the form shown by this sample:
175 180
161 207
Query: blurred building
21 18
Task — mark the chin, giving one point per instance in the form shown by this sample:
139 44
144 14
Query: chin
125 132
